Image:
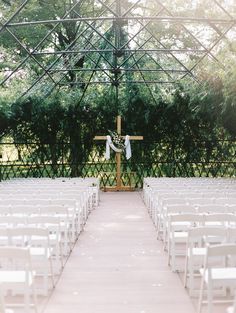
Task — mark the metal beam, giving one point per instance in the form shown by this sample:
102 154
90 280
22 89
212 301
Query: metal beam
170 19
122 82
123 50
122 69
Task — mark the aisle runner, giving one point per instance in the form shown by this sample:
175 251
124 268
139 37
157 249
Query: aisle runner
118 266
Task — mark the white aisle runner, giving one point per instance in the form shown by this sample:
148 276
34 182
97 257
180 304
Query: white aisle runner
118 266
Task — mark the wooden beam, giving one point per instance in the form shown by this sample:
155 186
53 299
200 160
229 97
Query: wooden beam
131 137
119 125
100 138
118 170
134 137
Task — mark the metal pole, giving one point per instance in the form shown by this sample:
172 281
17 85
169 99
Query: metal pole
170 19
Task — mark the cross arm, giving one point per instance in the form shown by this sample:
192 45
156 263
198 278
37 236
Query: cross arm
100 138
131 137
135 137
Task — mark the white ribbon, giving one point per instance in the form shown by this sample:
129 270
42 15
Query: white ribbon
109 144
128 147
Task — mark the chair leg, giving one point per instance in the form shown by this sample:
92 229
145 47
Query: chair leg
27 299
201 296
191 278
173 258
209 298
186 271
35 298
51 272
169 251
45 279
158 227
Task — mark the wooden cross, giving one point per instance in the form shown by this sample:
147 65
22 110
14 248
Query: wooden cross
119 185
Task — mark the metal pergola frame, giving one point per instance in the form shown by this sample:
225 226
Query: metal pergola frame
109 57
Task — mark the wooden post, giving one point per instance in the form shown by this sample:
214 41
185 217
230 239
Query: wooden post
118 156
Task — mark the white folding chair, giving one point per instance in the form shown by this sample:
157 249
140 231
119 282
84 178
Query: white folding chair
3 308
177 234
220 274
4 237
67 223
232 309
16 274
174 210
53 224
198 237
12 221
201 201
219 219
162 211
212 208
24 210
41 252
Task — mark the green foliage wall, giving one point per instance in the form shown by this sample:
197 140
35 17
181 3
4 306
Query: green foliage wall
189 117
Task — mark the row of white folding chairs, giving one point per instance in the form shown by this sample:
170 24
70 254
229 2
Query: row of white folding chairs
155 196
91 186
217 270
181 227
68 223
151 191
187 184
160 219
87 181
156 200
201 181
149 181
72 218
198 260
176 233
42 249
35 205
67 208
198 239
58 236
80 204
83 198
173 199
198 204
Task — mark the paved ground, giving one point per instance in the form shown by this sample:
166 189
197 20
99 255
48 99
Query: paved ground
118 266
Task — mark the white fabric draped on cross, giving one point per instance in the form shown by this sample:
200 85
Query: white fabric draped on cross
109 144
